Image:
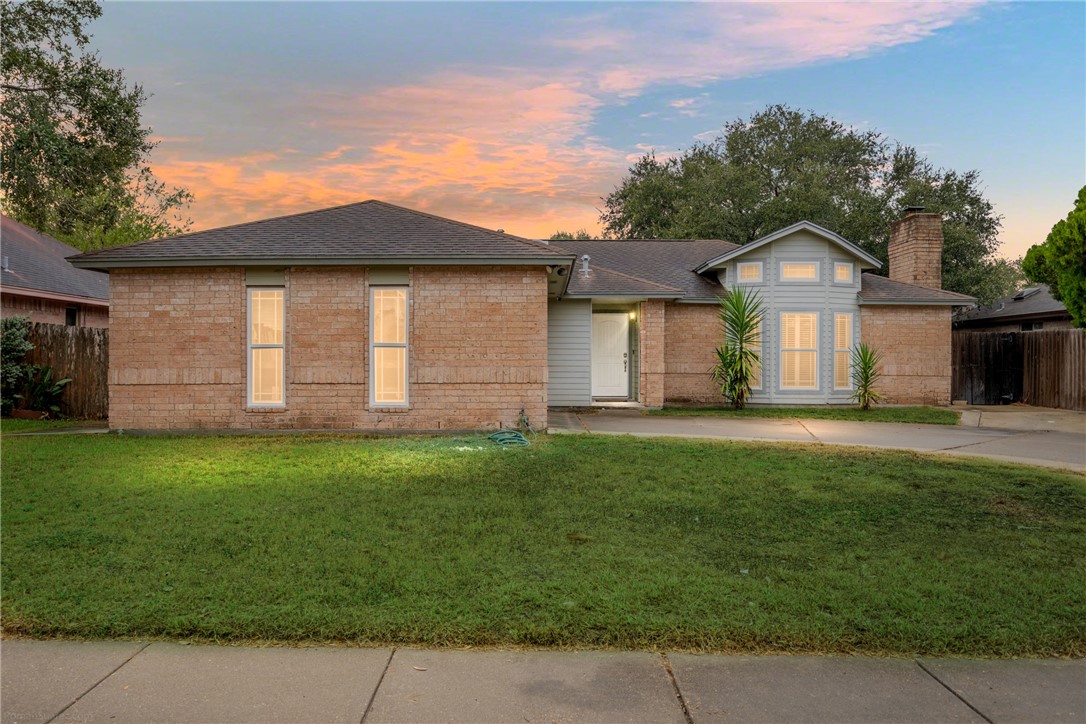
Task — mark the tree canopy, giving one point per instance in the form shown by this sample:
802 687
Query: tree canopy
73 149
578 235
1060 262
783 165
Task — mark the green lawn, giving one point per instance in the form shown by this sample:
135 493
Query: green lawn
574 541
11 425
931 415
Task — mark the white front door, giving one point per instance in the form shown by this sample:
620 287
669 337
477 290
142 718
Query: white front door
610 355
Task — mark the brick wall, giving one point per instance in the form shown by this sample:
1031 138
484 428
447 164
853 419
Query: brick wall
477 353
51 311
691 337
653 366
915 345
916 250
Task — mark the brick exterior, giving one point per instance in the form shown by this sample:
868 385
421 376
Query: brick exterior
691 337
916 250
477 352
653 366
914 342
52 311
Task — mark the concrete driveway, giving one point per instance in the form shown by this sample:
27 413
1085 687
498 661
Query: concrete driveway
1021 438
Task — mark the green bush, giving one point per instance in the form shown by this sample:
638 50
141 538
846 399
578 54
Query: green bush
14 372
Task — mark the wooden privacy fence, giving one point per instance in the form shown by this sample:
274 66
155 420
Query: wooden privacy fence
81 353
1046 368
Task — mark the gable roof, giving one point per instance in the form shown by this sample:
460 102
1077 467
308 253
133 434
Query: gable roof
798 226
666 262
38 263
1033 302
368 232
875 289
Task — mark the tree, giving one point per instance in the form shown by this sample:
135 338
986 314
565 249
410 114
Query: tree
579 235
73 151
738 364
1060 262
781 166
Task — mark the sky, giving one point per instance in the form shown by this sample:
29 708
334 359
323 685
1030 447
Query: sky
523 116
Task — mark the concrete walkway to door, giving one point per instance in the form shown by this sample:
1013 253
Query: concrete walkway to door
1062 447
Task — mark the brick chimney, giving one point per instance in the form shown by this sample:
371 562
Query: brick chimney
916 248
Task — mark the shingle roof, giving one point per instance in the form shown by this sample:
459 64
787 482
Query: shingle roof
369 230
37 262
602 281
875 289
667 262
1031 303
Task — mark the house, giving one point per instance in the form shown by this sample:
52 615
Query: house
1027 310
373 316
36 280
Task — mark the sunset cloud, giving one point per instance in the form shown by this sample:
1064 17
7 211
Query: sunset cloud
512 146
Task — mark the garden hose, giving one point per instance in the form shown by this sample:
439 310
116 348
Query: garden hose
509 438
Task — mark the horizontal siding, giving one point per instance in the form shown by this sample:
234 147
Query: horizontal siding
823 297
569 353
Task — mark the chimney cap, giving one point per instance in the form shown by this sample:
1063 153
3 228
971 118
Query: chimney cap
909 210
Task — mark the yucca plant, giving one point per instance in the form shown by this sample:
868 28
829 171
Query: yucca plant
740 315
866 370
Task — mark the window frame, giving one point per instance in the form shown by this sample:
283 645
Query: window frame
405 345
739 280
756 386
847 350
250 346
815 349
816 279
851 273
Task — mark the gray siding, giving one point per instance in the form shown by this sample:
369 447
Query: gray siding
822 296
569 350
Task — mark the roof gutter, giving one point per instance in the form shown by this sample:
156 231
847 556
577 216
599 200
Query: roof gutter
104 263
915 302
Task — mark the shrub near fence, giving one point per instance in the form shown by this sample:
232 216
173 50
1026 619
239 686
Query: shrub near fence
81 353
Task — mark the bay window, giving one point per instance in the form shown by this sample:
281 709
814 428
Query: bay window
799 350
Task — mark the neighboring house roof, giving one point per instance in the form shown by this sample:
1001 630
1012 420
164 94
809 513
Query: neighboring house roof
1033 302
667 262
36 263
798 226
369 232
875 289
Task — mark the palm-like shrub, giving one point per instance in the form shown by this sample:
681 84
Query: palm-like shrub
740 315
866 370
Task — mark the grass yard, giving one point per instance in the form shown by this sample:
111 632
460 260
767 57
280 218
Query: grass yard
575 541
929 415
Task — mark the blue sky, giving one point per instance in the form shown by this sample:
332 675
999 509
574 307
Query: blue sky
521 116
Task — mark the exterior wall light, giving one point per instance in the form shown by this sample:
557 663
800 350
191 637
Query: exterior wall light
633 315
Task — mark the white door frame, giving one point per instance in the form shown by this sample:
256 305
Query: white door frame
607 373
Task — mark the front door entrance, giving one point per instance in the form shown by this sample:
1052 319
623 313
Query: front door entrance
610 355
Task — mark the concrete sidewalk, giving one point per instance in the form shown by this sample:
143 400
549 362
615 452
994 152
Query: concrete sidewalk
62 681
1052 448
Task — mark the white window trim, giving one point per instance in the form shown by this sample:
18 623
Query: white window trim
757 384
405 345
739 272
817 279
249 347
815 349
851 273
836 349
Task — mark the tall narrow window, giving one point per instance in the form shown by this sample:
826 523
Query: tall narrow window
756 374
842 344
799 351
388 346
267 349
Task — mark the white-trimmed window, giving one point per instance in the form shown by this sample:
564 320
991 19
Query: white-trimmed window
388 346
749 272
756 375
842 272
799 351
799 271
266 347
842 345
